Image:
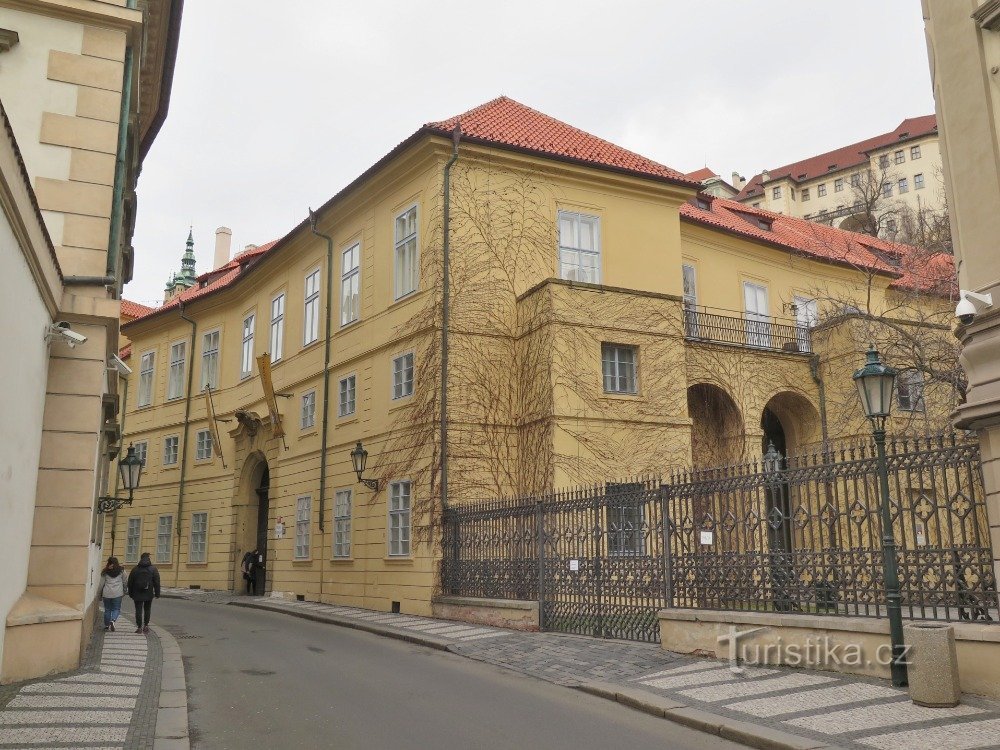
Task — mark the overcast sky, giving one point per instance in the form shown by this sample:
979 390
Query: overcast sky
276 106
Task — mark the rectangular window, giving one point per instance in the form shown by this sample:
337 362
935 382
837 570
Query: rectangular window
887 189
806 316
164 526
347 392
310 321
405 254
918 182
691 328
170 450
838 185
757 315
199 537
821 190
132 536
805 194
904 186
402 376
277 327
146 367
246 353
350 285
910 390
210 360
308 410
203 445
625 518
141 449
890 225
175 383
899 157
399 519
914 152
579 247
303 519
619 368
776 192
856 179
342 523
883 161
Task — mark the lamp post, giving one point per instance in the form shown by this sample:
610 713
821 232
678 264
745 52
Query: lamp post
875 383
359 457
130 471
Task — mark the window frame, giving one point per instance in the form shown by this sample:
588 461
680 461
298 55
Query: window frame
838 185
413 375
342 524
903 185
821 190
856 180
398 292
145 451
247 339
199 443
178 367
631 379
776 192
883 161
276 330
914 406
399 513
133 556
203 556
302 549
215 354
354 395
578 217
302 410
805 194
918 181
899 156
166 558
177 449
915 152
887 187
352 277
310 306
147 378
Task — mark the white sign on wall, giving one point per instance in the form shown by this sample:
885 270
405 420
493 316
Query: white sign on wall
574 564
279 529
706 537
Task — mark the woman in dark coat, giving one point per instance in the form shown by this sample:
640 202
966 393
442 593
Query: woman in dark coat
143 587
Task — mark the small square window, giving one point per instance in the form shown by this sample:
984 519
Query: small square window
170 450
904 186
856 179
821 189
910 390
141 448
914 152
838 185
805 194
619 367
918 182
887 189
776 192
346 405
203 445
308 418
402 376
899 157
883 161
891 226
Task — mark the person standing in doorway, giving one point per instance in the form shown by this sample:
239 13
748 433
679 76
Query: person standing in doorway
249 568
112 591
143 587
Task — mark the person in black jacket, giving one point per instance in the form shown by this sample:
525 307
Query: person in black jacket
143 587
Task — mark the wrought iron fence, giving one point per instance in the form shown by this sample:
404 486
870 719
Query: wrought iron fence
752 332
804 534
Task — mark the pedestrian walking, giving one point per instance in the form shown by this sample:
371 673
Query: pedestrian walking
112 591
143 587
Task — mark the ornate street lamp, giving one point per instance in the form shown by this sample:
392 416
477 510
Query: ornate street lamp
875 382
130 472
359 457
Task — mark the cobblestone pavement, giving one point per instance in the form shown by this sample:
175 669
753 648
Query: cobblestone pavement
829 708
111 702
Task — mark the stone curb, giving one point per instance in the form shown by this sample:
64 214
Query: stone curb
439 644
172 711
743 732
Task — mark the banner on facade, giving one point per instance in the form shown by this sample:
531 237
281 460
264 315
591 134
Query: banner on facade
264 368
213 425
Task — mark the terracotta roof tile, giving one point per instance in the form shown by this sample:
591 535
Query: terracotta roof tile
844 157
134 309
125 352
701 175
505 122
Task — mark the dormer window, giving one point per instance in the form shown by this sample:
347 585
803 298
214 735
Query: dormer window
703 204
831 168
764 224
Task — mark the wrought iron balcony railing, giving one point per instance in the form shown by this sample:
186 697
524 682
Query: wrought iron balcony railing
751 330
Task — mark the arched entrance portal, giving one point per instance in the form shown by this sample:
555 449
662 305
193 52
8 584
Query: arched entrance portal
252 507
716 426
791 422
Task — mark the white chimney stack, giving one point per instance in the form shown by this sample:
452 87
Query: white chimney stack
223 246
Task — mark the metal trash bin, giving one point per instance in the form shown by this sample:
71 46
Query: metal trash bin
932 664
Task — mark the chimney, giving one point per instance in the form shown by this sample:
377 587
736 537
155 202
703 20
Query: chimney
765 176
739 182
223 243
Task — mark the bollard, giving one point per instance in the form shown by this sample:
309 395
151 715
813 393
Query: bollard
932 664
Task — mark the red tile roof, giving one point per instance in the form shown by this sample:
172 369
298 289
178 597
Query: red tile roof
132 309
507 123
909 265
844 157
125 352
701 175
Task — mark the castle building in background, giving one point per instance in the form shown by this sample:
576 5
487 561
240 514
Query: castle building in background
184 279
606 318
85 87
883 185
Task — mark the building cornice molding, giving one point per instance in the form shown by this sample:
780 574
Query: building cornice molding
988 15
89 12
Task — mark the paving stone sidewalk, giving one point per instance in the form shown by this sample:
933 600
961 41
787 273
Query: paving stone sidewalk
788 707
115 700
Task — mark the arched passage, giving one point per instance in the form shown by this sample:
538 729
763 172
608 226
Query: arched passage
253 513
791 422
716 426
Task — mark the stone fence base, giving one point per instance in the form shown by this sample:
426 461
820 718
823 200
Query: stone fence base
852 645
502 613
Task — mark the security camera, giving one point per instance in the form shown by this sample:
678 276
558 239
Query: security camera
61 331
969 304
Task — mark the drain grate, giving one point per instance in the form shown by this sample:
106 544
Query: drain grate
186 636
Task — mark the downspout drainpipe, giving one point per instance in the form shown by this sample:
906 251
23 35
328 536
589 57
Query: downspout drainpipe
326 390
184 450
456 136
117 201
114 516
814 371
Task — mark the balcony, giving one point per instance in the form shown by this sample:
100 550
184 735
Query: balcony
746 330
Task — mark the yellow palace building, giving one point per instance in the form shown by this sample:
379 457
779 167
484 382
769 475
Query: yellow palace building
602 318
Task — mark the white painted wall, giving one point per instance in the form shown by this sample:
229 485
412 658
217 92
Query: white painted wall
23 375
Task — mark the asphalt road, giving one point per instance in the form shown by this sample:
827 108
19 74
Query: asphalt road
264 680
